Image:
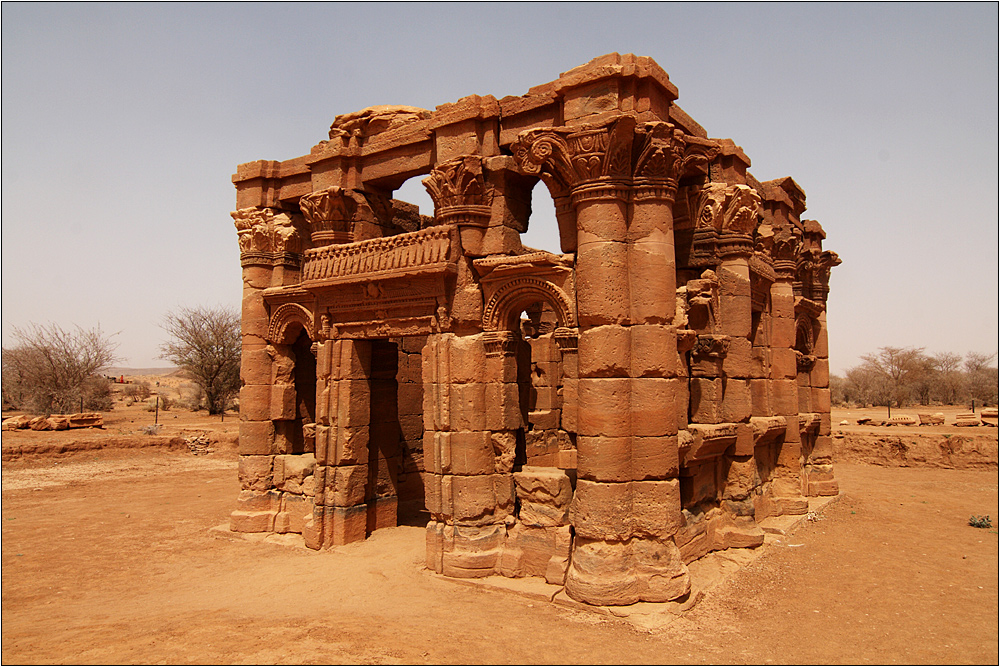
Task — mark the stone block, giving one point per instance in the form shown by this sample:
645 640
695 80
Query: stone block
819 376
544 350
255 402
660 569
255 366
546 398
544 495
784 397
382 513
345 485
258 501
344 525
654 458
706 400
805 399
820 400
256 438
603 406
604 459
290 471
760 363
352 359
651 406
652 280
653 351
468 407
656 507
566 459
256 473
299 510
503 406
282 401
602 511
251 522
350 445
737 362
736 400
544 419
466 359
353 403
760 398
734 315
602 284
410 398
600 573
604 352
783 364
782 332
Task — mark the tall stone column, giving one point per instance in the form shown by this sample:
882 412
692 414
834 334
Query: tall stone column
787 484
258 502
626 507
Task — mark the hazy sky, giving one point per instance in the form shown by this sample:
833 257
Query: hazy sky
123 124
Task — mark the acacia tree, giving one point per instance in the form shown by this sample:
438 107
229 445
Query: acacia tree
899 369
981 377
206 343
54 370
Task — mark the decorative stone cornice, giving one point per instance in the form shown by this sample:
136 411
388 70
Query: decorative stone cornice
329 213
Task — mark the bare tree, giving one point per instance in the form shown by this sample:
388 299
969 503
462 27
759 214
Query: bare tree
948 379
206 343
981 377
900 369
54 370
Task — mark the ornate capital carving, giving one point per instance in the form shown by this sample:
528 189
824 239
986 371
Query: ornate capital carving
329 213
667 155
500 343
459 192
266 237
568 158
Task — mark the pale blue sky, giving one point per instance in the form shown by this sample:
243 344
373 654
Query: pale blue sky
123 123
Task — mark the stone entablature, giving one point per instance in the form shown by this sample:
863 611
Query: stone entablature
601 417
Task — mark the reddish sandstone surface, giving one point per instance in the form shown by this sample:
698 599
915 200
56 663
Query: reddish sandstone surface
108 557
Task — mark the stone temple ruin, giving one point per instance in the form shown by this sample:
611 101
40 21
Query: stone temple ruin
601 417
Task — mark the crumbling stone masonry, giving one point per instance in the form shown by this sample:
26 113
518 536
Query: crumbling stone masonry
600 418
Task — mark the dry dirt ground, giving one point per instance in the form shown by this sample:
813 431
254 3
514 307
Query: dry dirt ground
108 557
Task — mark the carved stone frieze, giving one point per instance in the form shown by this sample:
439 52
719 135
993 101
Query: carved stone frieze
288 315
409 254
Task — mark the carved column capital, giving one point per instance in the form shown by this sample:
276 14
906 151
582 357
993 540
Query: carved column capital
266 237
329 214
588 162
666 155
459 192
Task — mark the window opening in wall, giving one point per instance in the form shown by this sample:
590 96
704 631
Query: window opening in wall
543 230
303 431
540 379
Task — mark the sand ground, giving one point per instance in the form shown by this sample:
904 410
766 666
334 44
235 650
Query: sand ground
109 556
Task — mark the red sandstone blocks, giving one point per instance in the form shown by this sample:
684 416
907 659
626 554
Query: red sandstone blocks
706 400
651 400
736 400
604 406
652 282
256 438
255 472
251 522
653 351
282 401
605 352
602 284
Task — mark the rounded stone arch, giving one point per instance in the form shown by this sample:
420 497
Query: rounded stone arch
285 322
503 310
